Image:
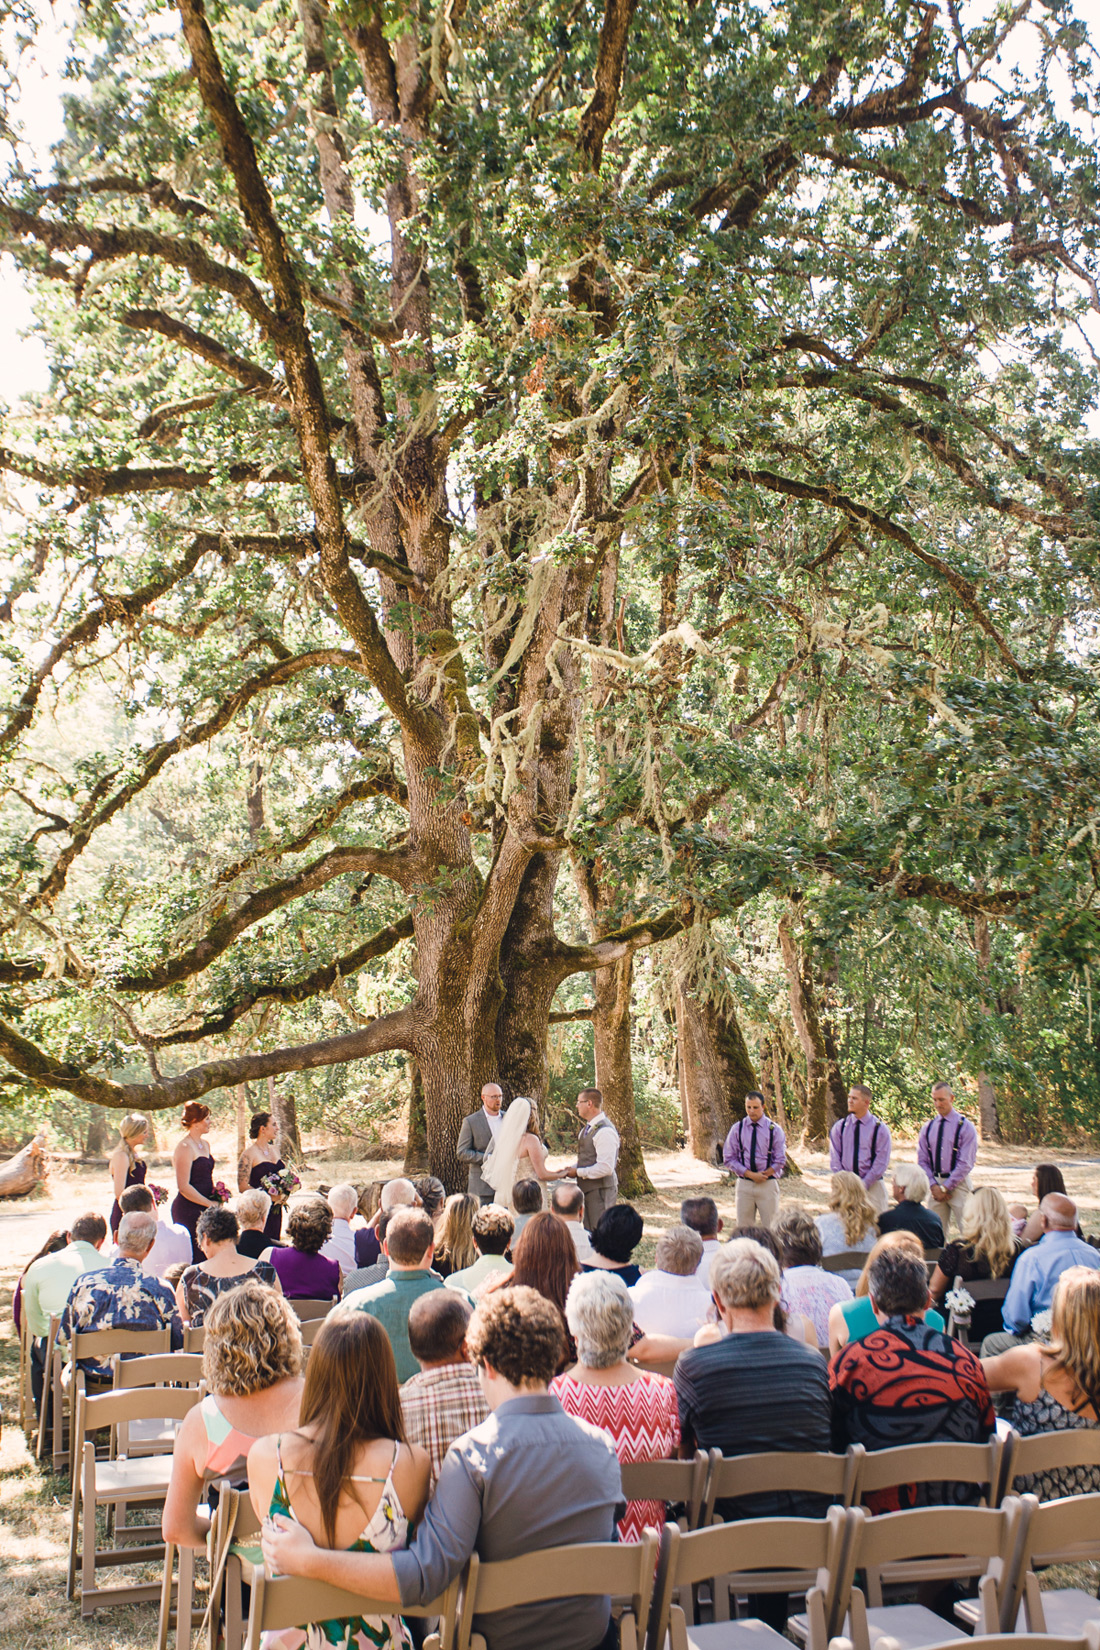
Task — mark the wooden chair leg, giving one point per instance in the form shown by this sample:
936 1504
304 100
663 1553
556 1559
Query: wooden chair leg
74 1537
234 1616
164 1619
185 1593
87 1534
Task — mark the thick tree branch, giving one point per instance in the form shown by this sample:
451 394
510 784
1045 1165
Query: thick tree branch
600 112
585 959
90 483
262 383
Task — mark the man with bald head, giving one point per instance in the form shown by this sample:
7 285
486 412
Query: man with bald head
1038 1270
476 1135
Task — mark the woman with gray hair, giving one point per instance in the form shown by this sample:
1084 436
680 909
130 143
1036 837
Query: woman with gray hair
637 1410
909 1214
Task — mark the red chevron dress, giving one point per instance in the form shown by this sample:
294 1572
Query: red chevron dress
641 1419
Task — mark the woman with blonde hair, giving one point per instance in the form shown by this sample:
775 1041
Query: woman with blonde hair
127 1168
455 1249
855 1319
985 1249
851 1223
1057 1385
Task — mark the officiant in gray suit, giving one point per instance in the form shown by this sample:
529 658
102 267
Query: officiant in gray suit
476 1135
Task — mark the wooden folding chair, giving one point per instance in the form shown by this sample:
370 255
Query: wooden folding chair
99 1345
987 1289
1001 1641
848 1260
304 1310
194 1339
1046 1452
112 1484
804 1472
933 1544
1060 1532
310 1330
948 1463
28 1420
290 1601
676 1481
588 1570
760 1555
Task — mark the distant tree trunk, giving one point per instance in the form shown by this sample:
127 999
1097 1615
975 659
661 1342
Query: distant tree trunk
242 1118
97 1134
416 1149
807 1023
21 1173
254 800
718 1071
285 1113
989 1121
611 1026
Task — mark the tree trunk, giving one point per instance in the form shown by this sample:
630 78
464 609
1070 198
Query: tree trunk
416 1149
989 1121
718 1071
97 1134
285 1112
242 1118
805 1016
835 1086
21 1173
611 1026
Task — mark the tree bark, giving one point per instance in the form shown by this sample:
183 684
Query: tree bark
416 1148
285 1112
241 1093
97 1133
611 1025
717 1068
21 1173
989 1121
808 1025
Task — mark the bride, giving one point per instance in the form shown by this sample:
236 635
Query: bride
517 1137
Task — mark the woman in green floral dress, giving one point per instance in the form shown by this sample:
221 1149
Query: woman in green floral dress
347 1474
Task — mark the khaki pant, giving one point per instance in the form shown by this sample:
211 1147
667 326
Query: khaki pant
876 1195
598 1196
954 1206
757 1200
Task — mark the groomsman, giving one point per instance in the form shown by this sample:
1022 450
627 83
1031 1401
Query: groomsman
756 1154
860 1144
947 1150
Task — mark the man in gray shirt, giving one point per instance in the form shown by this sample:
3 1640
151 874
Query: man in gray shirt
529 1477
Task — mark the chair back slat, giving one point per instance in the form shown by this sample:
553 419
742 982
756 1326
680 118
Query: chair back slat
1062 1532
194 1338
848 1260
590 1569
144 1403
304 1310
669 1481
291 1601
310 1330
977 1464
797 1471
1047 1452
156 1369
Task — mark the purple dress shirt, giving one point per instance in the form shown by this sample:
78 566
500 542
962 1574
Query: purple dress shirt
947 1149
760 1146
860 1145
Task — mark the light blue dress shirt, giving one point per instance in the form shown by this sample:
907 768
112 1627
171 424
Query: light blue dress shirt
1036 1273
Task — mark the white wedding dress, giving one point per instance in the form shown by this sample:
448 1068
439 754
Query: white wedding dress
498 1166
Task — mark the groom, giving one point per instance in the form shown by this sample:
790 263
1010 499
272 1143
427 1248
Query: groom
476 1135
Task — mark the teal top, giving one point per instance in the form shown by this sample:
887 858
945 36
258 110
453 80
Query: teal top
861 1319
390 1302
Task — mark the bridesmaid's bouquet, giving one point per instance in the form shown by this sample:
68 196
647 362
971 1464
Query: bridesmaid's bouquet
158 1193
220 1192
280 1183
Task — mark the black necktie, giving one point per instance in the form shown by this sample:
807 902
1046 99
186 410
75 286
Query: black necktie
855 1149
939 1149
752 1150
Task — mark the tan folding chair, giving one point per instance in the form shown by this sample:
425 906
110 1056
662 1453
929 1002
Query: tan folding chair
112 1484
290 1601
933 1544
304 1310
28 1418
799 1472
310 1330
1001 1641
194 1339
976 1464
848 1260
588 1570
1060 1532
159 1369
759 1555
1046 1452
987 1289
99 1345
676 1481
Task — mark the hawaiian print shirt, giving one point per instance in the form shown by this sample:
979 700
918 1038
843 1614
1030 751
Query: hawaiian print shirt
119 1297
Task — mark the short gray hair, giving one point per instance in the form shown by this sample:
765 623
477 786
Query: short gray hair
137 1233
343 1200
744 1275
253 1207
913 1182
600 1315
679 1251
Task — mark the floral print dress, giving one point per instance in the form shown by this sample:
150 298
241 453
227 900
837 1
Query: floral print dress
387 1531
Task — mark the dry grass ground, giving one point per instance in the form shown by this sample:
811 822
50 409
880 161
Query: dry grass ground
34 1503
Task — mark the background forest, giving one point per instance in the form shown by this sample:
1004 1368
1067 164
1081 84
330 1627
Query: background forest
562 540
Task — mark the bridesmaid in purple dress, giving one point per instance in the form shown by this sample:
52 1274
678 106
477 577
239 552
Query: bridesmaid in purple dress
193 1162
258 1160
127 1168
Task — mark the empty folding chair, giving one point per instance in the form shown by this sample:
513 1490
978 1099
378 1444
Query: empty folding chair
1060 1532
761 1555
157 1436
978 1465
291 1601
932 1544
679 1482
122 1482
1053 1455
998 1641
588 1570
799 1472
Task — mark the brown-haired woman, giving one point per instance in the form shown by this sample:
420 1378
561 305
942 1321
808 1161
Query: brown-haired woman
545 1258
347 1474
193 1162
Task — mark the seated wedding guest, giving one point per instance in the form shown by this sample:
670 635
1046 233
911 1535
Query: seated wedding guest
120 1296
529 1477
172 1244
671 1300
346 1477
492 1235
873 1382
393 1194
456 1248
806 1288
618 1233
252 1366
1046 1178
364 1276
222 1267
301 1268
433 1196
701 1214
543 1259
908 1214
851 1222
252 1209
850 1321
343 1200
445 1399
1036 1272
48 1282
985 1249
637 1410
795 1324
409 1247
526 1201
53 1246
567 1205
1056 1385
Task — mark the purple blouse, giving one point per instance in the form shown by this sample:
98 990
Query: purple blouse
306 1277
